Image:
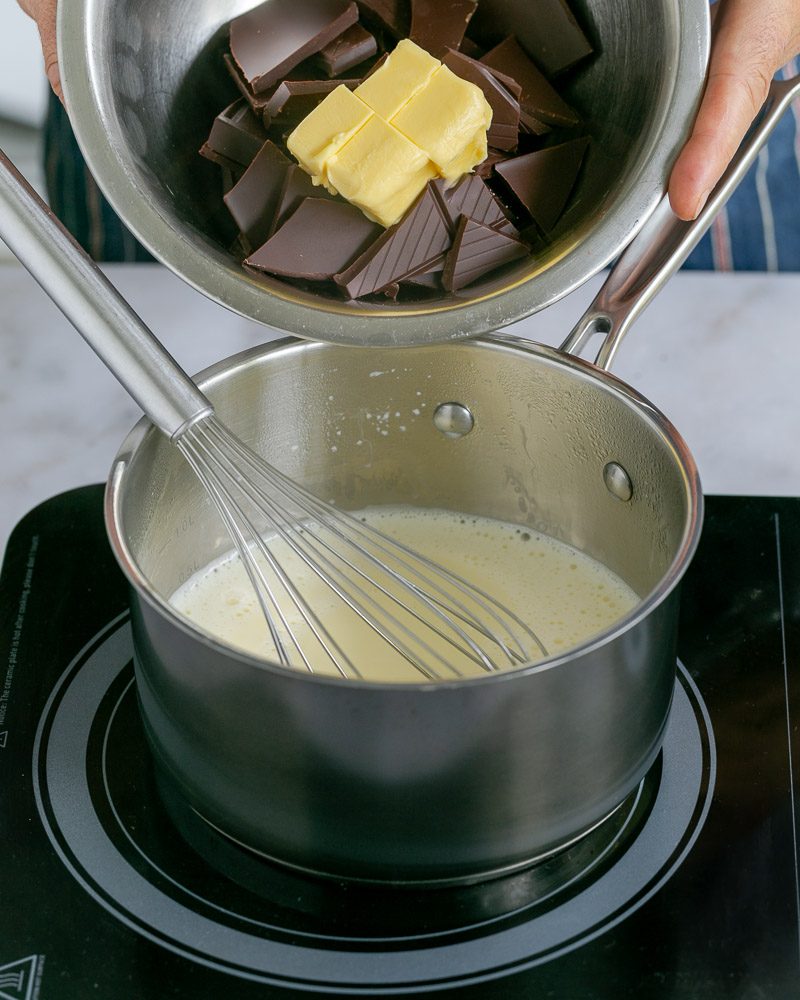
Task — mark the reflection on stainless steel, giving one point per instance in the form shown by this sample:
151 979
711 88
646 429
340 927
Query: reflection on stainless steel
637 96
429 780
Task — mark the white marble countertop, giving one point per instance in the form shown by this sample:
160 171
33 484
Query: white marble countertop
719 354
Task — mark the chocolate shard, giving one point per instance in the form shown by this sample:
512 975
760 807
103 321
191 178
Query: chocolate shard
558 42
297 186
469 197
274 37
439 25
543 180
486 169
476 251
236 135
252 201
420 238
470 48
350 49
319 239
258 102
294 100
389 17
503 132
538 98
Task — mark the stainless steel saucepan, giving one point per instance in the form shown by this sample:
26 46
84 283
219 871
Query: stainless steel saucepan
144 79
456 779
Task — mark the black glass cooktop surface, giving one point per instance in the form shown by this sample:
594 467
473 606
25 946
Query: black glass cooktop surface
111 888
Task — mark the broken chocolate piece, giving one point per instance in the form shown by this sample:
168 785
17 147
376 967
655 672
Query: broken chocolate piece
439 25
294 100
503 132
258 102
391 17
476 251
543 180
412 245
428 279
253 200
538 99
486 169
274 37
236 135
470 48
320 238
558 42
469 197
350 49
297 186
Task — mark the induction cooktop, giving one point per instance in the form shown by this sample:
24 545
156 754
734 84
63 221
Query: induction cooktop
111 887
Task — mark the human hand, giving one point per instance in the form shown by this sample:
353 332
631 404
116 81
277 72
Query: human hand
752 40
44 14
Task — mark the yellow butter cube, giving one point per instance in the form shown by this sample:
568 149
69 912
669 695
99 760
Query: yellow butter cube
448 120
326 129
380 171
405 72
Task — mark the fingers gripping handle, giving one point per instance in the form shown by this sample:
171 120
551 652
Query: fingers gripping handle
664 243
96 309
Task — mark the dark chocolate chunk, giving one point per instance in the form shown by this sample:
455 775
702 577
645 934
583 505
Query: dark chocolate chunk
504 130
258 102
274 37
390 17
470 48
538 98
469 197
486 168
439 25
293 100
253 200
319 239
543 180
350 49
413 244
476 251
236 135
297 186
558 42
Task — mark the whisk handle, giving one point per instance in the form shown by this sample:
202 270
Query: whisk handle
95 308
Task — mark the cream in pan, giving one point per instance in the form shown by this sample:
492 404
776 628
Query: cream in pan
563 595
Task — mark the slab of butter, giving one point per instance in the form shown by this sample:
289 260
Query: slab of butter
378 147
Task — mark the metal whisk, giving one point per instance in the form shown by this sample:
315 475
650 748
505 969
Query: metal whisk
441 625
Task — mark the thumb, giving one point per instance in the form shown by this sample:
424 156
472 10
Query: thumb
44 13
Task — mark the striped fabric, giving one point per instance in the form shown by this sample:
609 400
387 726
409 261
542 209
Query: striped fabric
758 230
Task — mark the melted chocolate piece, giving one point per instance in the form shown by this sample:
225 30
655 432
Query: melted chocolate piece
297 186
320 238
477 250
538 99
253 200
543 180
236 136
469 197
412 245
439 25
350 49
274 37
503 132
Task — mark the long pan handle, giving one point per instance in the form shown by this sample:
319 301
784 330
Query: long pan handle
95 308
664 243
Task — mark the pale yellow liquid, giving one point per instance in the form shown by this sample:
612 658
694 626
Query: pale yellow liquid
563 595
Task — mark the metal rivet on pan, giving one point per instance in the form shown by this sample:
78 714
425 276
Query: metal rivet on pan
618 482
453 419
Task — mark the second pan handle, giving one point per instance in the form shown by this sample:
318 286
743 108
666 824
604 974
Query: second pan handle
665 241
